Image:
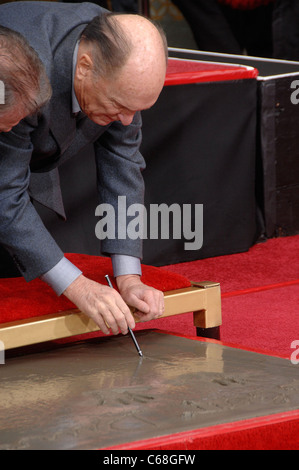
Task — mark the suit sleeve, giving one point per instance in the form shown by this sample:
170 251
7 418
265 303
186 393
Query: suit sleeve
22 232
119 174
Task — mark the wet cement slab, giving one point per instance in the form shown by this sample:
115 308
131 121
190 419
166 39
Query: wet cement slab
99 393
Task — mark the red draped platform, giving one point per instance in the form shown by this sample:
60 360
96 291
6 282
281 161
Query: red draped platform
32 313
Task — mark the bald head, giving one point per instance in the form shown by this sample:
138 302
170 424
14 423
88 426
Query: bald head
146 38
145 68
126 58
116 36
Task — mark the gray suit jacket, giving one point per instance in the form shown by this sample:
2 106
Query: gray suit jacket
31 153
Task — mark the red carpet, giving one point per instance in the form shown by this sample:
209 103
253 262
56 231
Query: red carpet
260 295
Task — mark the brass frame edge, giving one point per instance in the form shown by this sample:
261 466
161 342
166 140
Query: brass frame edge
196 298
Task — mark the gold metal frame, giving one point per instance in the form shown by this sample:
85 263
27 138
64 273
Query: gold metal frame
203 299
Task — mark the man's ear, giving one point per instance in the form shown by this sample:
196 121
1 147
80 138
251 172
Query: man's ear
84 65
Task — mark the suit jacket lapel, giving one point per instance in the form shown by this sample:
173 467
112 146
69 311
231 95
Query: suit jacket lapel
63 122
45 187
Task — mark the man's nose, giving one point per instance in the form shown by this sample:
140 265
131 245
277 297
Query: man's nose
126 119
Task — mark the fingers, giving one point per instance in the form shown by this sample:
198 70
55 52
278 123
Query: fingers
151 307
110 312
110 317
109 309
148 302
102 304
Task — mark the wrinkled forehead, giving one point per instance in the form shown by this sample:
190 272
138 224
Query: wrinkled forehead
138 89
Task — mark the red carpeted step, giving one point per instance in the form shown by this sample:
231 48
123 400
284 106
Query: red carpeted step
20 300
265 264
267 321
260 295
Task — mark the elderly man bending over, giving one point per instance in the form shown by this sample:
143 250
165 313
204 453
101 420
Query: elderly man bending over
104 69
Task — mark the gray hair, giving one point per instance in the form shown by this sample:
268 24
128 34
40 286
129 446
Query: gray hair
22 74
112 47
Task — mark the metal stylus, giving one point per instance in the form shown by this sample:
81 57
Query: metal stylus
130 331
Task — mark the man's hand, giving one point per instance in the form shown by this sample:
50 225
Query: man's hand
101 303
149 302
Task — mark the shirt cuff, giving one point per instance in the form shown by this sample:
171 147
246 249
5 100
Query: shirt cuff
124 264
65 272
61 275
